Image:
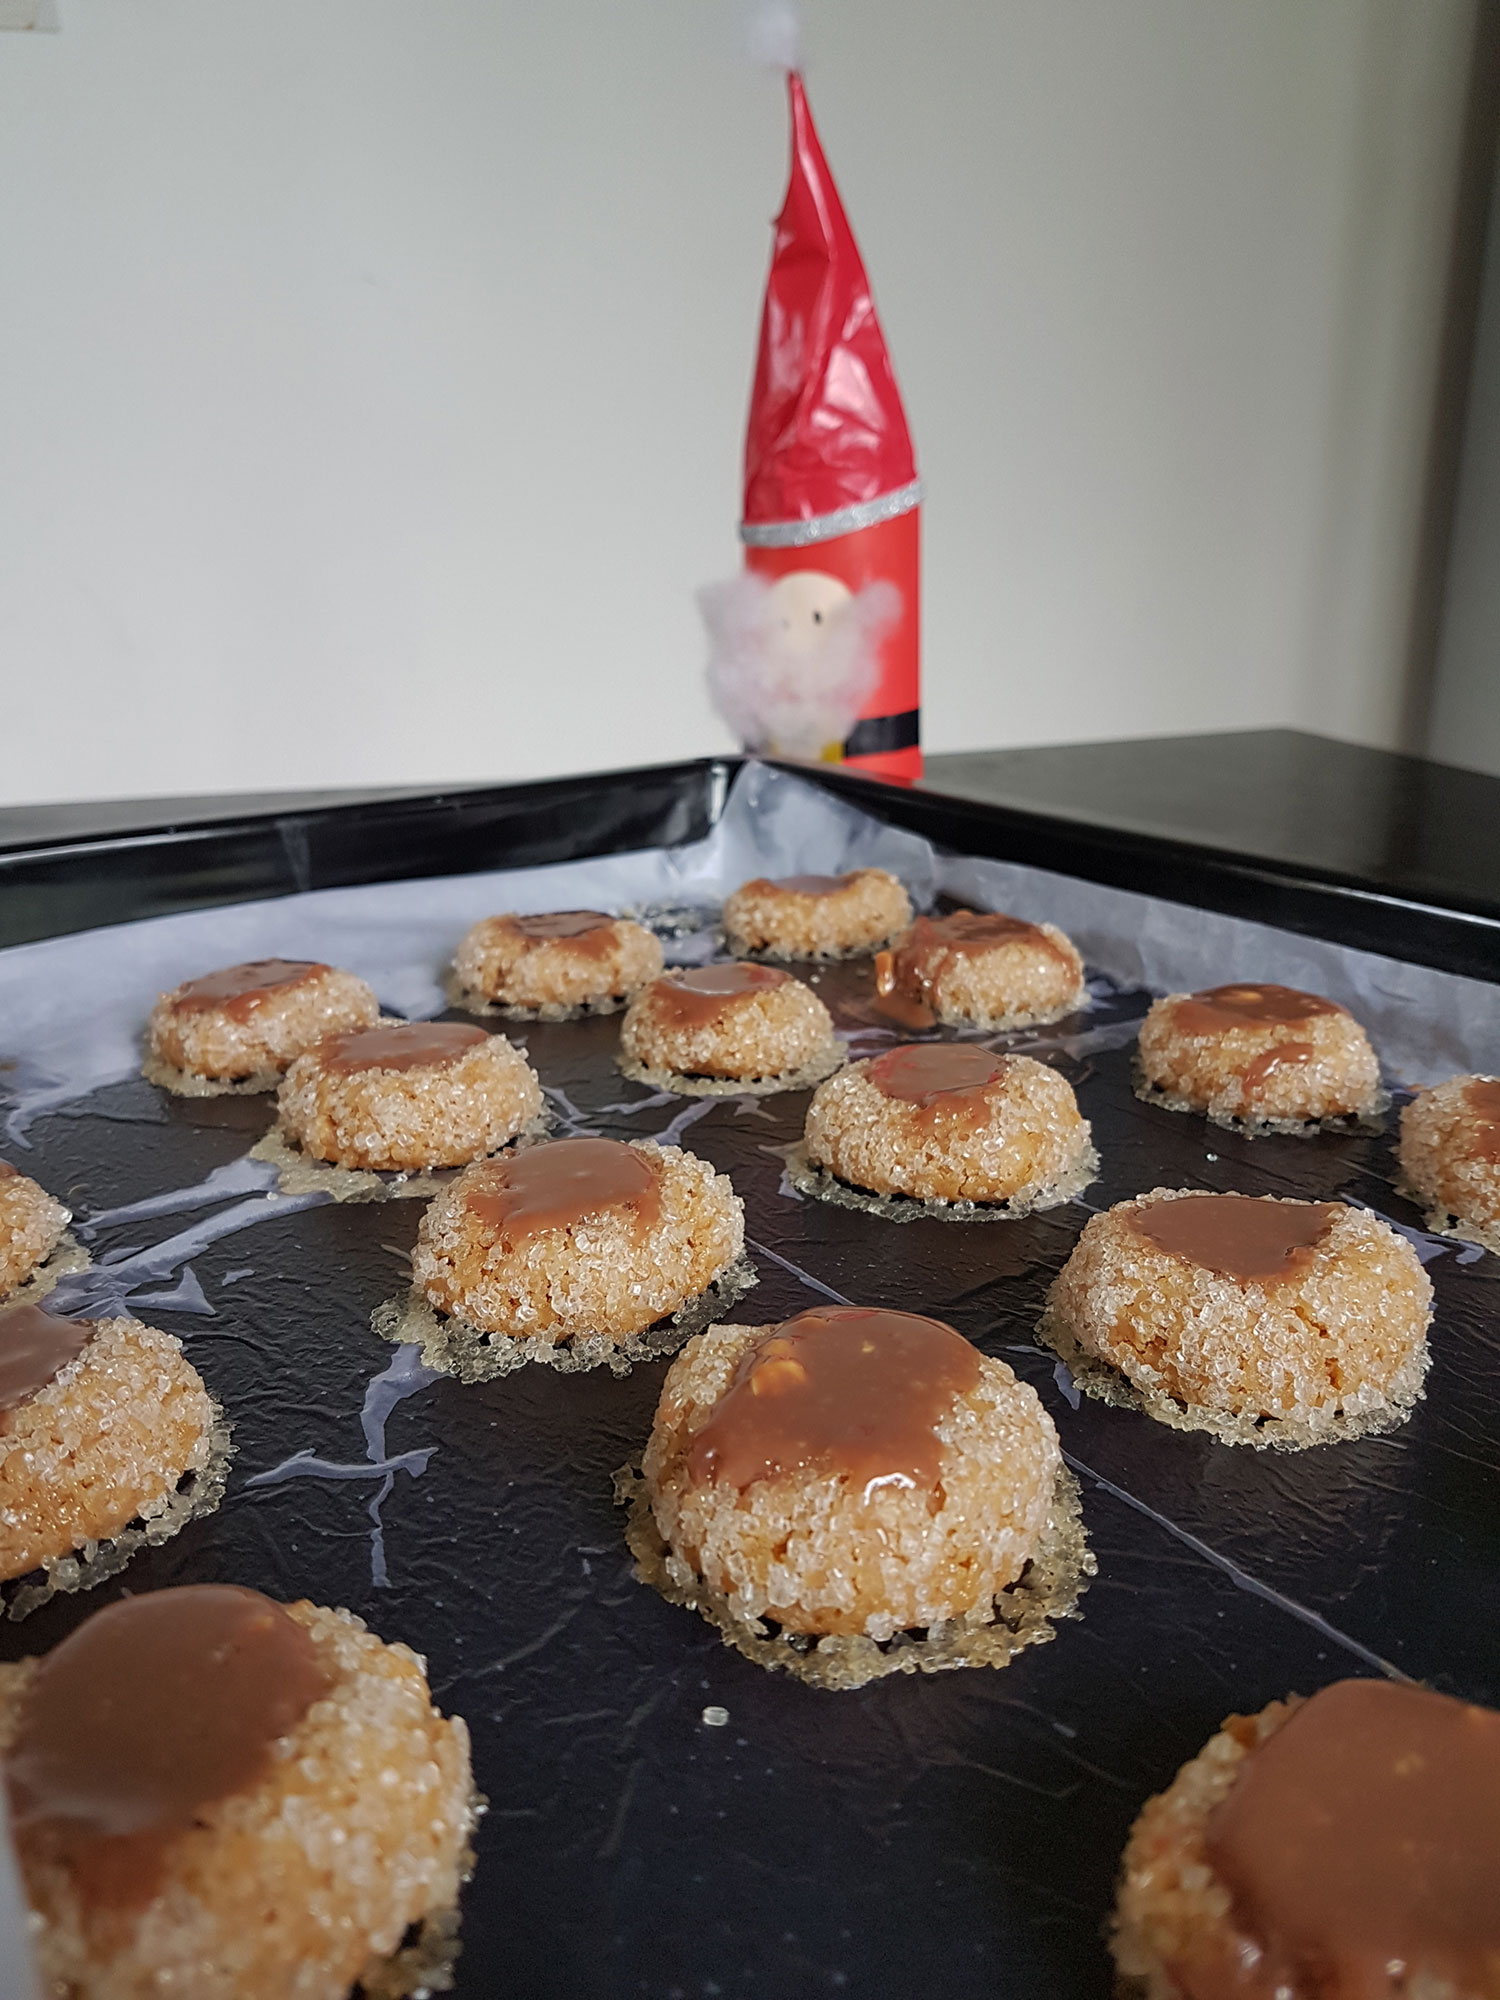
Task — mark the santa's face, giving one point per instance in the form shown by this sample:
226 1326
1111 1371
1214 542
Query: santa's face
800 608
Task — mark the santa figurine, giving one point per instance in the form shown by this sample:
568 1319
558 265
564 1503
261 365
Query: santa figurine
813 650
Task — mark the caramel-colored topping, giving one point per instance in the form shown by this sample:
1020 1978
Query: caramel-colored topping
1238 1235
563 1182
1218 1008
895 1006
942 1076
969 931
239 989
692 999
588 933
35 1347
849 1391
1483 1099
1361 1843
8 1172
905 977
414 1045
1284 1055
154 1709
806 885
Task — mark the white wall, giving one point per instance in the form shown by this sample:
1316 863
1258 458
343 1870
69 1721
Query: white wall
372 372
1466 705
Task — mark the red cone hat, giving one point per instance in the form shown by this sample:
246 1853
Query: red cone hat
830 476
827 430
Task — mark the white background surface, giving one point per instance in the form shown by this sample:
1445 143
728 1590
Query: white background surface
1466 710
372 372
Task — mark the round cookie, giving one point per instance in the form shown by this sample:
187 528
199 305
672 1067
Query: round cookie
101 1423
856 1493
979 968
241 1027
817 916
577 1237
31 1227
220 1796
1268 1057
404 1097
1450 1156
947 1122
728 1029
850 1471
1264 1321
554 965
1345 1844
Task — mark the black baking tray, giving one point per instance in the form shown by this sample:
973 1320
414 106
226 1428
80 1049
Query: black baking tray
65 868
958 1833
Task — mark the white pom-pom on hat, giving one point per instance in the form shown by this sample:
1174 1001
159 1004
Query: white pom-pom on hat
773 34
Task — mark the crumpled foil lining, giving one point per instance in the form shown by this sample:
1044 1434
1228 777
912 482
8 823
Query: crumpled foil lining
453 1347
1021 1616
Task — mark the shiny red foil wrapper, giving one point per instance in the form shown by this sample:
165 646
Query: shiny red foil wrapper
827 433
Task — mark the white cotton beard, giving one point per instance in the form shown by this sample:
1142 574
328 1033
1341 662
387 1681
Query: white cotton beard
792 701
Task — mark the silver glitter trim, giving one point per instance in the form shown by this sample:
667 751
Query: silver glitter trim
826 527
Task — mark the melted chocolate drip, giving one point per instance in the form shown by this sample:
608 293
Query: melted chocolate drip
1218 1008
35 1347
845 1390
1238 1235
151 1711
563 1182
239 989
1483 1099
1364 1834
417 1045
692 999
940 1077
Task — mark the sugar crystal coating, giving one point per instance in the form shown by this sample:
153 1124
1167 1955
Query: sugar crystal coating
1025 974
1018 1138
226 1043
772 1031
107 1441
1450 1155
442 1114
1342 1339
300 1886
777 918
497 961
814 1553
31 1226
1269 1071
600 1275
